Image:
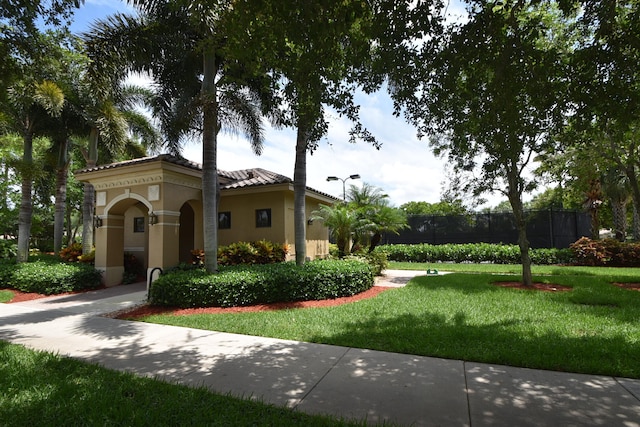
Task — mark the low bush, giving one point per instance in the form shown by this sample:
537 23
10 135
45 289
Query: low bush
45 276
260 284
71 253
472 252
8 249
377 260
606 252
260 252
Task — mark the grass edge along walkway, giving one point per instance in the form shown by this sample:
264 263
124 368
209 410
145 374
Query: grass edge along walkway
42 388
592 329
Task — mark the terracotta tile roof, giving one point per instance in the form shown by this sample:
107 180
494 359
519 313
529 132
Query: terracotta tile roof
228 179
251 177
162 157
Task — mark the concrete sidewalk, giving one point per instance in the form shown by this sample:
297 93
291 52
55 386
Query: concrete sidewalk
315 378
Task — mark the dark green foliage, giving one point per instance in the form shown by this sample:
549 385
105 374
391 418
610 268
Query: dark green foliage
377 260
260 252
133 269
472 252
8 249
606 252
259 284
48 276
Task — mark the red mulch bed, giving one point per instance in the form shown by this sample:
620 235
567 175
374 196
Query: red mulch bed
544 287
631 286
146 310
19 296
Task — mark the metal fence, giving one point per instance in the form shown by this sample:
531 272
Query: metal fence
545 229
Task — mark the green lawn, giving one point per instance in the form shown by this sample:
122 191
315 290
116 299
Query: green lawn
517 269
42 389
592 329
5 296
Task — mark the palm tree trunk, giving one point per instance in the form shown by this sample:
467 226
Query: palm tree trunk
26 208
89 196
209 160
619 212
299 194
630 172
61 196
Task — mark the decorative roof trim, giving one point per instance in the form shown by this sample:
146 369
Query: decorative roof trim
238 179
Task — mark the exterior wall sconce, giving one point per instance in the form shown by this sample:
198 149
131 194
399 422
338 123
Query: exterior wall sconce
310 221
153 218
97 221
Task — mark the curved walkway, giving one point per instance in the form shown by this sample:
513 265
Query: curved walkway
315 378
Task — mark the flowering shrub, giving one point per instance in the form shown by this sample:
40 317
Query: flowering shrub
260 252
609 252
71 253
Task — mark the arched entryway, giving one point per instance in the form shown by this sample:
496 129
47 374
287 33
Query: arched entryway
124 230
187 230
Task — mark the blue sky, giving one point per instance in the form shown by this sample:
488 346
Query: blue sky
404 168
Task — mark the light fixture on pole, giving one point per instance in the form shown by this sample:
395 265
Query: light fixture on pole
344 181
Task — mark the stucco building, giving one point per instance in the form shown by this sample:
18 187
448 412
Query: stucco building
152 208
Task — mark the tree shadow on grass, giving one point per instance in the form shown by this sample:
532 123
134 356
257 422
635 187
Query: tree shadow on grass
501 342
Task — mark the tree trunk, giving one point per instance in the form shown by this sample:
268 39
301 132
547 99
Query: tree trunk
619 211
636 222
61 197
630 172
299 191
26 207
88 201
209 160
515 198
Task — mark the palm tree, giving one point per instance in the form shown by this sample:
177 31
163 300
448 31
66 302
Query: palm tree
30 102
112 121
372 207
616 188
341 221
183 46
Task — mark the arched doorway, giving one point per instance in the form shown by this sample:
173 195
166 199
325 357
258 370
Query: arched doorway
187 231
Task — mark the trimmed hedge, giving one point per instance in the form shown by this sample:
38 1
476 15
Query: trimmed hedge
261 284
48 277
473 252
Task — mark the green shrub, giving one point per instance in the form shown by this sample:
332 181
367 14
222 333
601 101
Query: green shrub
8 249
606 252
260 252
48 277
472 252
377 260
260 284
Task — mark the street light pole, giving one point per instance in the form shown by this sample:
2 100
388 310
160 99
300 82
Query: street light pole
344 181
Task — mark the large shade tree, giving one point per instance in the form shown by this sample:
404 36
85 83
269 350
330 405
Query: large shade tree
491 96
322 51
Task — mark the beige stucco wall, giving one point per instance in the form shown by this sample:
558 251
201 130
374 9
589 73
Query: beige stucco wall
129 191
242 207
242 204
